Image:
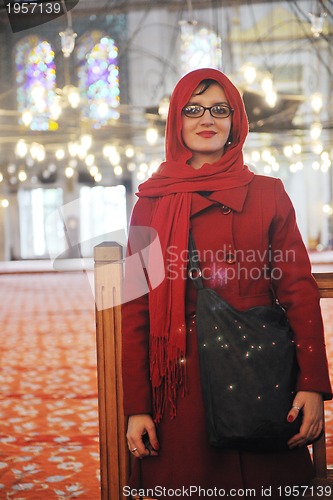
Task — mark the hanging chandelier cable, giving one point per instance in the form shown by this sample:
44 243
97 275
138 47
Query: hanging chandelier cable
298 11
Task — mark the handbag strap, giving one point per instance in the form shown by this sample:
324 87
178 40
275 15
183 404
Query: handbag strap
194 271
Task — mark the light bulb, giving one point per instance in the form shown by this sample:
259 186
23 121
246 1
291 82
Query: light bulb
21 149
316 102
93 171
67 41
315 130
60 154
26 118
151 135
69 172
22 176
271 98
86 141
118 170
249 72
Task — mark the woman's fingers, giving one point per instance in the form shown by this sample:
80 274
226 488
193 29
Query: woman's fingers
141 436
310 404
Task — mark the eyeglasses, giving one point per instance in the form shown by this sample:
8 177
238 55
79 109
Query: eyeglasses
216 111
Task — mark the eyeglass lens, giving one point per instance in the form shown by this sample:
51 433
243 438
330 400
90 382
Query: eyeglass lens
217 111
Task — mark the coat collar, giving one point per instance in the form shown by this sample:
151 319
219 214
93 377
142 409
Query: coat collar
232 198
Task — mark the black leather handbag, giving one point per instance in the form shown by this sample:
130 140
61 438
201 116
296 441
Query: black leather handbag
248 370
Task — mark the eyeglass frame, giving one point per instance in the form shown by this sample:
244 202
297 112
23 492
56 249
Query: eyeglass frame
231 110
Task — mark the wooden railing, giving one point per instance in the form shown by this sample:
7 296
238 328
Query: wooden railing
114 455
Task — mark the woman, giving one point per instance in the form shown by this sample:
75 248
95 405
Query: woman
204 186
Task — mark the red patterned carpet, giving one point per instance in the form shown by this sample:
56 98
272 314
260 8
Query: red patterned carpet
48 399
48 392
327 308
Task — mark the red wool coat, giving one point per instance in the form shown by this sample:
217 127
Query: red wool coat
240 235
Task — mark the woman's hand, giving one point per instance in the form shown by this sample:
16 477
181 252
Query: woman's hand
141 436
311 404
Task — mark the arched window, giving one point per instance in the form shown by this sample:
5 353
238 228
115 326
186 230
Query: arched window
200 48
36 82
98 78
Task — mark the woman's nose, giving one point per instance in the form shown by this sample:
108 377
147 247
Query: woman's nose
207 117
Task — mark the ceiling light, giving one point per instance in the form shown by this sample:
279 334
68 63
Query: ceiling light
26 118
60 154
21 149
327 209
143 167
267 84
317 23
73 148
90 160
11 169
55 109
131 166
151 135
297 148
271 98
69 172
86 141
255 156
37 151
315 130
317 148
266 155
67 41
93 171
249 72
118 170
102 109
22 176
141 176
316 102
129 152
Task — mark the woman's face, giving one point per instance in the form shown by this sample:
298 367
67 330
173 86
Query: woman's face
206 136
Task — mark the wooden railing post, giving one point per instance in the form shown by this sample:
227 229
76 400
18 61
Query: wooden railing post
325 285
114 460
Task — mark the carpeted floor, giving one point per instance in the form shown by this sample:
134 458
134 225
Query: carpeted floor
48 406
327 309
48 390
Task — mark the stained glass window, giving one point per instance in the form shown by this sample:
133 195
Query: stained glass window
98 78
36 82
200 48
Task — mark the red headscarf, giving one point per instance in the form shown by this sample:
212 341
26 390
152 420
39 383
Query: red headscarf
173 185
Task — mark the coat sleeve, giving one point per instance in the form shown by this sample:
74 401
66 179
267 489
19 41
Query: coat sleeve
135 315
297 292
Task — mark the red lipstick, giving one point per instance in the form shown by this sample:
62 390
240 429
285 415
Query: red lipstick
207 134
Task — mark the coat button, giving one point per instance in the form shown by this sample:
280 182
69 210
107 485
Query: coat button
225 210
192 315
230 258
